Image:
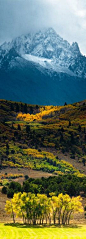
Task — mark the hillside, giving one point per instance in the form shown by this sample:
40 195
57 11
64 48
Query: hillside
36 137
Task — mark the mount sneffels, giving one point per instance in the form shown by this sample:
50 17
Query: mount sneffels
42 68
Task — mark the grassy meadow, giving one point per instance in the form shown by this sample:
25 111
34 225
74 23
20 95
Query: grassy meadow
11 231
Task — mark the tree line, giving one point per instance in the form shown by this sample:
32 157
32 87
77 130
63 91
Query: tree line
66 184
40 209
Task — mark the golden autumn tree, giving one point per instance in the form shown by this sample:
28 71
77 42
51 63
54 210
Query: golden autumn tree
33 208
10 209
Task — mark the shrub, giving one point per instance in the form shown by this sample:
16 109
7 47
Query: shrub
85 208
10 193
26 177
15 186
4 190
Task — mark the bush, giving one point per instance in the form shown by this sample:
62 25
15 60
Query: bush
5 182
26 177
4 190
85 208
10 193
15 186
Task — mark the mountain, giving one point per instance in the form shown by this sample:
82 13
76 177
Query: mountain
42 68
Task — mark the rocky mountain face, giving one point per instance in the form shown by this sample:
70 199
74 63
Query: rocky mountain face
46 57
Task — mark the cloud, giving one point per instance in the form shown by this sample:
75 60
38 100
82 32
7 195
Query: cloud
67 17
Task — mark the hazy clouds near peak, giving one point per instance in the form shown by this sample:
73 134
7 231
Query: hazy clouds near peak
67 17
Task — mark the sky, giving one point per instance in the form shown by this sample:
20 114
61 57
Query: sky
67 17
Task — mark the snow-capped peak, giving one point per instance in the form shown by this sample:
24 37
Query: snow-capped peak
47 44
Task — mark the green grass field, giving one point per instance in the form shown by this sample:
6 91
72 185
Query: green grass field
23 232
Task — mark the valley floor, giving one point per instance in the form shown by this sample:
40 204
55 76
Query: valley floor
9 231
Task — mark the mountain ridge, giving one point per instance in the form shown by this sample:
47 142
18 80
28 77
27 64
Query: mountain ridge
42 68
46 44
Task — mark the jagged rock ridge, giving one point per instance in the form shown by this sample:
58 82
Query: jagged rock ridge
38 60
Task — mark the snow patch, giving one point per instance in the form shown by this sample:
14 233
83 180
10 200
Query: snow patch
49 64
50 48
39 60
